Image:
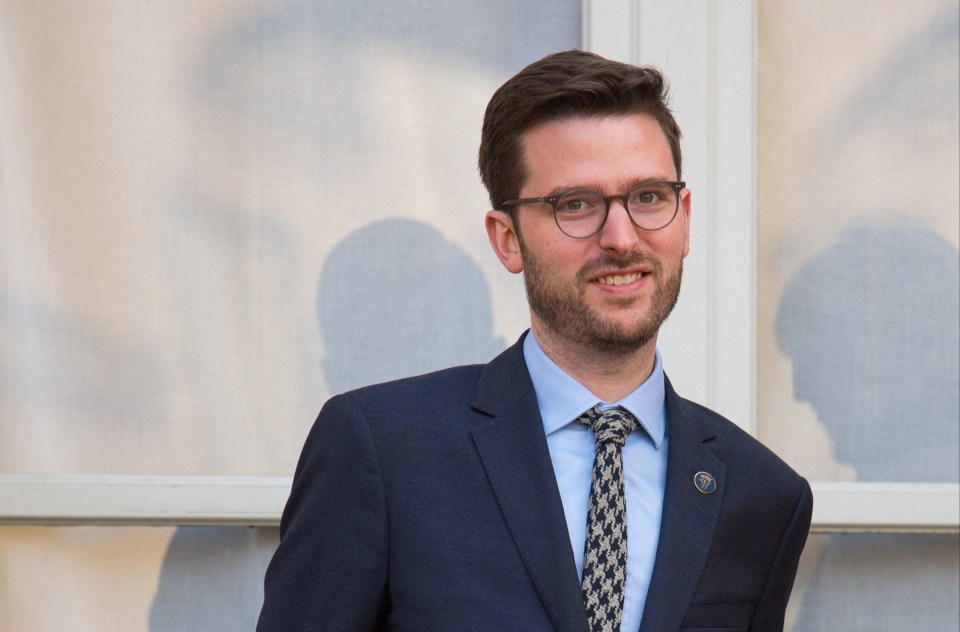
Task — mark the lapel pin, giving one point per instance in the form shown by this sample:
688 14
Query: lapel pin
704 482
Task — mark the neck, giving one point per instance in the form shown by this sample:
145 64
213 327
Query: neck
611 375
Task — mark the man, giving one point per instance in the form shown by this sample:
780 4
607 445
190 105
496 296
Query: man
564 485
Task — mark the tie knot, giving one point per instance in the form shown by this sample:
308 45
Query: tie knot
611 425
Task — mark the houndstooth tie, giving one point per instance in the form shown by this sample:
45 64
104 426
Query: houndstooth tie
605 551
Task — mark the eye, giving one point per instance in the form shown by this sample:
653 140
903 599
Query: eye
579 203
572 205
651 196
647 196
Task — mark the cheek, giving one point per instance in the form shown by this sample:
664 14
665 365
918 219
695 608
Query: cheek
552 249
676 243
685 235
666 247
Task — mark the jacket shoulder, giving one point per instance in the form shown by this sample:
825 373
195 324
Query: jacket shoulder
449 387
482 387
735 446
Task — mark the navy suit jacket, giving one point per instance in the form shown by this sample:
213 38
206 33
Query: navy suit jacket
430 503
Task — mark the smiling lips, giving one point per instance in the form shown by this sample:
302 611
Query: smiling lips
619 279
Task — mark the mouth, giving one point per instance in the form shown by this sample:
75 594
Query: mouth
620 275
620 279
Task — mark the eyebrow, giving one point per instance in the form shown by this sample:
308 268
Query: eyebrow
631 184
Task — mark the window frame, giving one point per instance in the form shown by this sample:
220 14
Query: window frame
258 501
708 50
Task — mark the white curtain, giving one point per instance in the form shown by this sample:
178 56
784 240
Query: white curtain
859 311
213 215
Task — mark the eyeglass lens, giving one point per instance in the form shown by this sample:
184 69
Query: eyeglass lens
582 213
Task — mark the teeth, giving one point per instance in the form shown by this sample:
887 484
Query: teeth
619 279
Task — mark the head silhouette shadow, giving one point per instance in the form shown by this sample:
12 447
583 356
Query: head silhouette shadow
871 325
397 298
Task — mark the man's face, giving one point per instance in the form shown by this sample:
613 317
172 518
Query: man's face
613 290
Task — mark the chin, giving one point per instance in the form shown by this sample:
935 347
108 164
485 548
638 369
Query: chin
618 336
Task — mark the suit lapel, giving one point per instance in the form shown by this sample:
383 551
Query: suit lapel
513 449
689 519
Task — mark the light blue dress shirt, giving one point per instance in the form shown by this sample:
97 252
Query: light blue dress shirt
562 400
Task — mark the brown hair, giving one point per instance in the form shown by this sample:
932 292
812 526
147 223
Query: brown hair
560 86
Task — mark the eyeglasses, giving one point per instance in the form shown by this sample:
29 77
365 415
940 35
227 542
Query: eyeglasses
581 213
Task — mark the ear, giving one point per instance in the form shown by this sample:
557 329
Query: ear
685 210
503 238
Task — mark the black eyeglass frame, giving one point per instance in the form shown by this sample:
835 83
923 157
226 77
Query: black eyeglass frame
676 185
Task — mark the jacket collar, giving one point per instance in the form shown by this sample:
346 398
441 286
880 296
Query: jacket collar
689 517
513 448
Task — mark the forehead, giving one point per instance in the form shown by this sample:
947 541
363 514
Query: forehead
605 153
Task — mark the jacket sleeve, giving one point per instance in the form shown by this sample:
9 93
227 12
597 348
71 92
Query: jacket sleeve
769 613
329 570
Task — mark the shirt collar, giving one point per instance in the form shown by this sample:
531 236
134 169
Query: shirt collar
562 399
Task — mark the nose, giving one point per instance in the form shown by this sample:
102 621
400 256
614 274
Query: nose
618 232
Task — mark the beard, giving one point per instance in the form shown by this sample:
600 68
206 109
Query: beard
562 307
